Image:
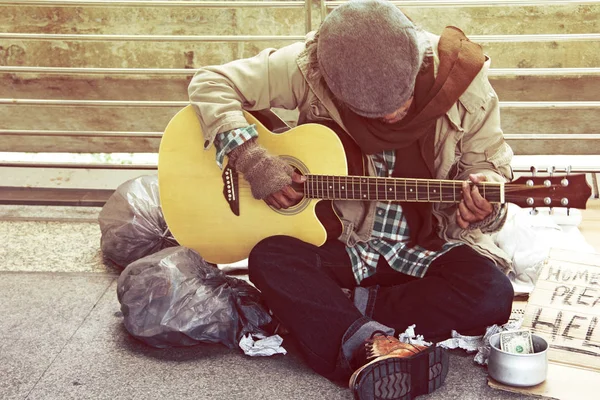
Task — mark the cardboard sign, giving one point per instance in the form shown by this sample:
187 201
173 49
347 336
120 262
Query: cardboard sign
564 308
563 382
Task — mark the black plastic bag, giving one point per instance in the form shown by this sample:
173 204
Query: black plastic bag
132 223
175 298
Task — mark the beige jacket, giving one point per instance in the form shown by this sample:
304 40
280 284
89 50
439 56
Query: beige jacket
468 138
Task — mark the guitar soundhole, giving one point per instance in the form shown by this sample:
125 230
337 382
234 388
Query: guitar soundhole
299 205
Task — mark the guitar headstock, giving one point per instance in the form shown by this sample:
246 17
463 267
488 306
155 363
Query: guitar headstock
570 191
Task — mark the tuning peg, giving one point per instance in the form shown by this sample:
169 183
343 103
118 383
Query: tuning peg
534 211
565 181
533 170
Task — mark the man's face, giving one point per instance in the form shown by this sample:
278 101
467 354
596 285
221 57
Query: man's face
398 114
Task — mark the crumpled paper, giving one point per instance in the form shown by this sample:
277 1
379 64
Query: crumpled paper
480 344
408 336
483 352
255 345
458 341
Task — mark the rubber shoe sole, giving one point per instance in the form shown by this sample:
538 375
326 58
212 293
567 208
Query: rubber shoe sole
395 378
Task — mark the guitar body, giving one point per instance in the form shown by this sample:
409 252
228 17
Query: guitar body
195 204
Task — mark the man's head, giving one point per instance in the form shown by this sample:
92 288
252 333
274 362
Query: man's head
368 55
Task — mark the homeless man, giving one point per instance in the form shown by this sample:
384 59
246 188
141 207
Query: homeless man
406 103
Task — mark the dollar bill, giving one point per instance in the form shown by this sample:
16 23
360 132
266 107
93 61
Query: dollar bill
518 342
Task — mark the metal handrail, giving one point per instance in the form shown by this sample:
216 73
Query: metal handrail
471 3
94 103
289 4
549 104
157 3
11 69
308 15
74 165
169 103
108 71
552 136
567 37
158 135
544 37
541 71
153 38
149 166
122 134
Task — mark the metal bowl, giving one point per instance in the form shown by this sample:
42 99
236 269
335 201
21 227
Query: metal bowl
518 369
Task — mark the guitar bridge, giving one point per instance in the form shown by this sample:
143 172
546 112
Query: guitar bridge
231 190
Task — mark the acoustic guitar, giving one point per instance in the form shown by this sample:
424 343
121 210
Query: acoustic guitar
213 212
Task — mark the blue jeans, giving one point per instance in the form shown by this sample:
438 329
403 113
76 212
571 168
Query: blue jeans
302 285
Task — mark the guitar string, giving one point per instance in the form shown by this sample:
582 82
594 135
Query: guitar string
444 198
493 190
508 187
507 199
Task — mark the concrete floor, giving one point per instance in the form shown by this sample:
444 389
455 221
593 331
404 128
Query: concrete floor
62 336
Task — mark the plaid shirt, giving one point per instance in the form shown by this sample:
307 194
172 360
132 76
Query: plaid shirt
390 236
390 233
227 141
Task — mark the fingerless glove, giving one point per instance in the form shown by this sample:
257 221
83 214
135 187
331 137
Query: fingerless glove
265 173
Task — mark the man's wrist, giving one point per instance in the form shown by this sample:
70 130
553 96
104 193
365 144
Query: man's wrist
492 222
226 142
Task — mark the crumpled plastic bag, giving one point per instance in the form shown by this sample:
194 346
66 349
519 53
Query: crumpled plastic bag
132 222
527 239
175 298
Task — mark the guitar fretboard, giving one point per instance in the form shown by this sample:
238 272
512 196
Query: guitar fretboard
393 189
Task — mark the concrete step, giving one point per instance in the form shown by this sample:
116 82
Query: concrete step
189 52
558 53
137 20
517 117
475 19
151 53
511 85
550 118
533 128
499 19
550 85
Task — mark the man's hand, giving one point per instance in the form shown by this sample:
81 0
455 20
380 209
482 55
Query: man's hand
287 196
473 207
270 177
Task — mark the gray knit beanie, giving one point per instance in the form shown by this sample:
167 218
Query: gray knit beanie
368 55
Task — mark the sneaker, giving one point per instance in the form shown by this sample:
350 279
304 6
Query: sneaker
397 371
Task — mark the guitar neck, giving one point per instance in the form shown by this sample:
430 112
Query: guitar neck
394 189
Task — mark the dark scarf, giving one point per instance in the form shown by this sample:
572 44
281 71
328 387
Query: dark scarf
413 136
